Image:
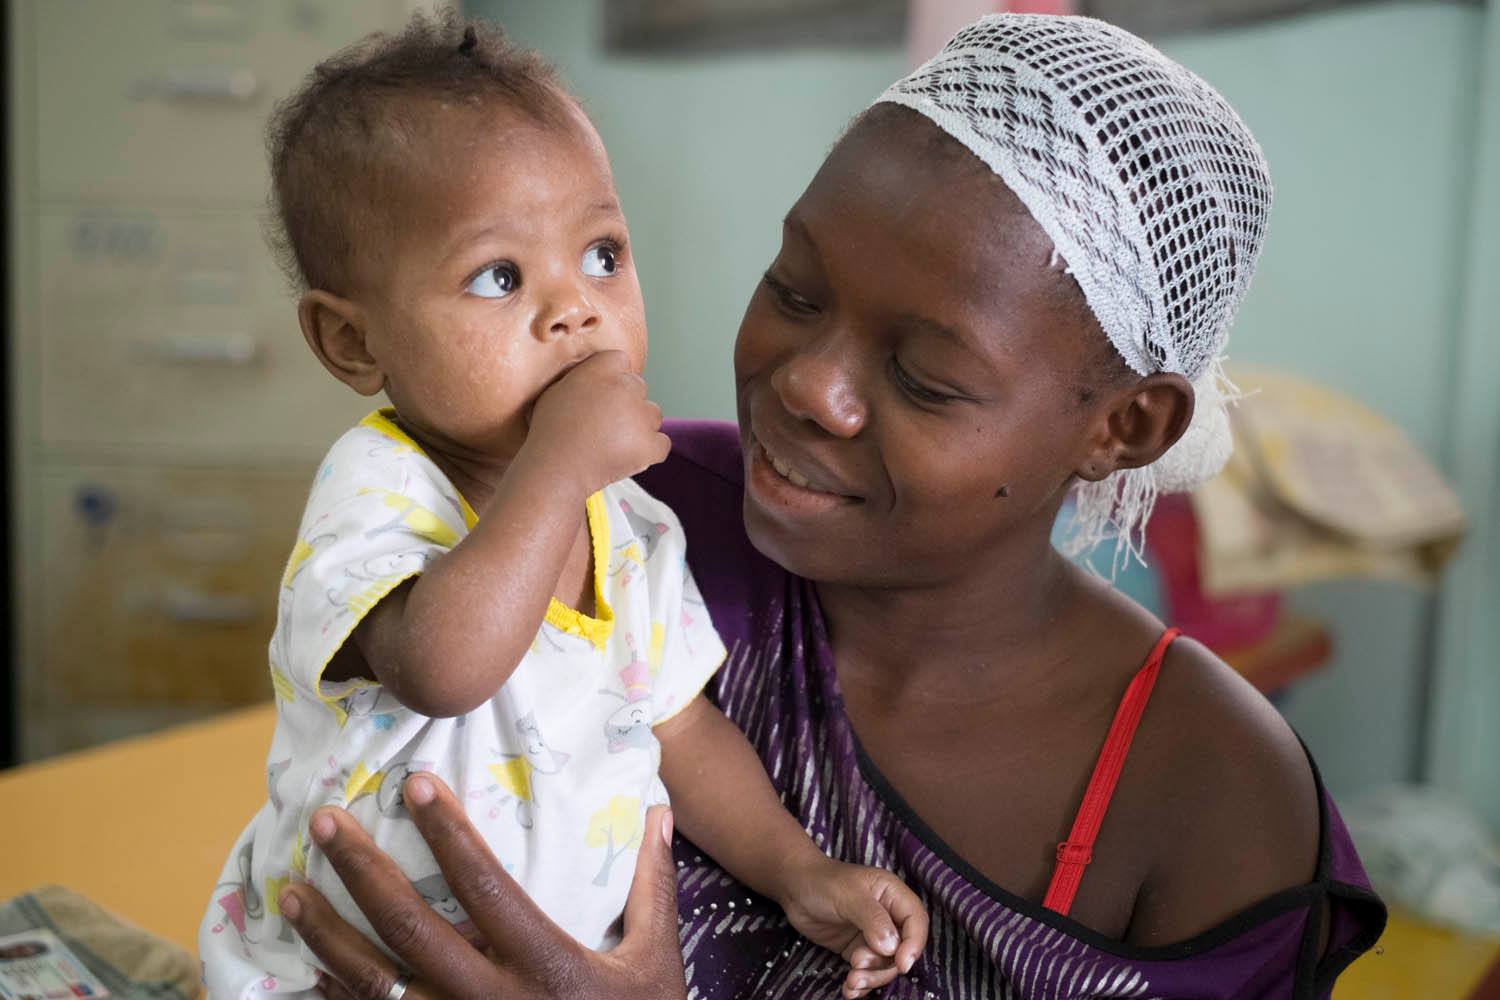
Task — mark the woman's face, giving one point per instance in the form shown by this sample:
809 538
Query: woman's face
909 372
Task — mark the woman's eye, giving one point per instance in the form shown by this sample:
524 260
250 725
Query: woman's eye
916 390
495 282
599 261
788 299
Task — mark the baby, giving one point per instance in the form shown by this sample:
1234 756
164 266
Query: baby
477 588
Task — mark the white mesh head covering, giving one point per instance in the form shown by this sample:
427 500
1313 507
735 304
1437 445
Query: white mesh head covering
1152 190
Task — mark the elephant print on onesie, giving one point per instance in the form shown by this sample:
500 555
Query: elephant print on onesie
629 726
238 903
435 891
241 905
649 533
274 771
390 799
633 553
516 774
370 703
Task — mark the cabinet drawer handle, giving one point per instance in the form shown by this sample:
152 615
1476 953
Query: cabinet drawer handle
229 350
215 86
188 604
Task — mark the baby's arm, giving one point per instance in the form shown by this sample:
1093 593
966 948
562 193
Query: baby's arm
724 802
444 642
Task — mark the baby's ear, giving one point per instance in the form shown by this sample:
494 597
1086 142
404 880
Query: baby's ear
1137 425
335 330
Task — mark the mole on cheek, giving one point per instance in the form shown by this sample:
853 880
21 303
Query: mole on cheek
1003 491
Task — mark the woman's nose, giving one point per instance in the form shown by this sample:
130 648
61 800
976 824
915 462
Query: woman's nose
819 384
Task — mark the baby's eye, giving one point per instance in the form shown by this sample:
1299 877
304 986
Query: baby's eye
495 282
599 261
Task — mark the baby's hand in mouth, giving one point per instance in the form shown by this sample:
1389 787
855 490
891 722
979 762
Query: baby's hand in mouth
595 420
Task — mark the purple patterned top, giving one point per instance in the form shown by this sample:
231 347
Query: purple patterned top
779 686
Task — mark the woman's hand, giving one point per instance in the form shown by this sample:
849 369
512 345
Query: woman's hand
528 957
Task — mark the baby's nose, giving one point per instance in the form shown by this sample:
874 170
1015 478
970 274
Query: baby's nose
569 314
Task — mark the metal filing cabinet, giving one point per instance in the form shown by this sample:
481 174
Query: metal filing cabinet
167 414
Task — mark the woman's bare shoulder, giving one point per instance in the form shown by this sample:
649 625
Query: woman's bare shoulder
1232 796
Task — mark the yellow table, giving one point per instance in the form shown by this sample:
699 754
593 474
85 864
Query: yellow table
1420 960
141 827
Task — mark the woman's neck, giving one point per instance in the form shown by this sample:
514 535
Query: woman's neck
940 639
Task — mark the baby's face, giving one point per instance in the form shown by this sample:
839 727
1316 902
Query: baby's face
510 264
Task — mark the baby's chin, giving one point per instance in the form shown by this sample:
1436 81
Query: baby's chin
498 441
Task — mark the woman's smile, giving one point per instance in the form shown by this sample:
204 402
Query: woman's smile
793 485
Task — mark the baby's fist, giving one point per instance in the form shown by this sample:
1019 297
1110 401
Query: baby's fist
597 414
867 915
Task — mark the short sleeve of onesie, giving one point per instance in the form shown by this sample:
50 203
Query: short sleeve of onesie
683 649
691 652
379 512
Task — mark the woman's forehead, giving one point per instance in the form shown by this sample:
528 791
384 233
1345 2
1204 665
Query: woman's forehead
891 194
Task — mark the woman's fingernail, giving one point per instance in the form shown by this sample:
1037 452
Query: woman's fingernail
289 904
666 827
907 963
322 827
419 790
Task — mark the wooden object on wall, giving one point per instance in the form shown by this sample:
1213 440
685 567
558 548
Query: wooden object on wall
687 26
1159 17
167 416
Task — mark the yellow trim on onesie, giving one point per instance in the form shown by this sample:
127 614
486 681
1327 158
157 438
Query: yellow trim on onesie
332 699
595 629
384 421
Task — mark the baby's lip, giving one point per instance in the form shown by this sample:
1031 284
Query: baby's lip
569 366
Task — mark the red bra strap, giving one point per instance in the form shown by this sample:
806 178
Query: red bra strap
1074 854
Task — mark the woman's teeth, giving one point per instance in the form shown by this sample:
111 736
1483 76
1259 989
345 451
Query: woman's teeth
789 473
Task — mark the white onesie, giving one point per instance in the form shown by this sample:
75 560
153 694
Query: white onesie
556 769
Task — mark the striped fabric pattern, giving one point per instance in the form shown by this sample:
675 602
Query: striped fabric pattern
779 686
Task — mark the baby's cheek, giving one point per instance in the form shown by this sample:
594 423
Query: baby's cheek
498 379
629 327
633 344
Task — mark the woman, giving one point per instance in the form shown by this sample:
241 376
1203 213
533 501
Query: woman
1012 275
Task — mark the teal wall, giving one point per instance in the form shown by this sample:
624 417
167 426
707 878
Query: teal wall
1465 737
1367 118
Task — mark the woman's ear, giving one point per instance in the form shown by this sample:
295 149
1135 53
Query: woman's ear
1137 425
335 330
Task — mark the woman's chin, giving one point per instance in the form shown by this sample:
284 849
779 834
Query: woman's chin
798 547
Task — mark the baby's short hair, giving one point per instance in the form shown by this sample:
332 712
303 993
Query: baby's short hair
356 110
